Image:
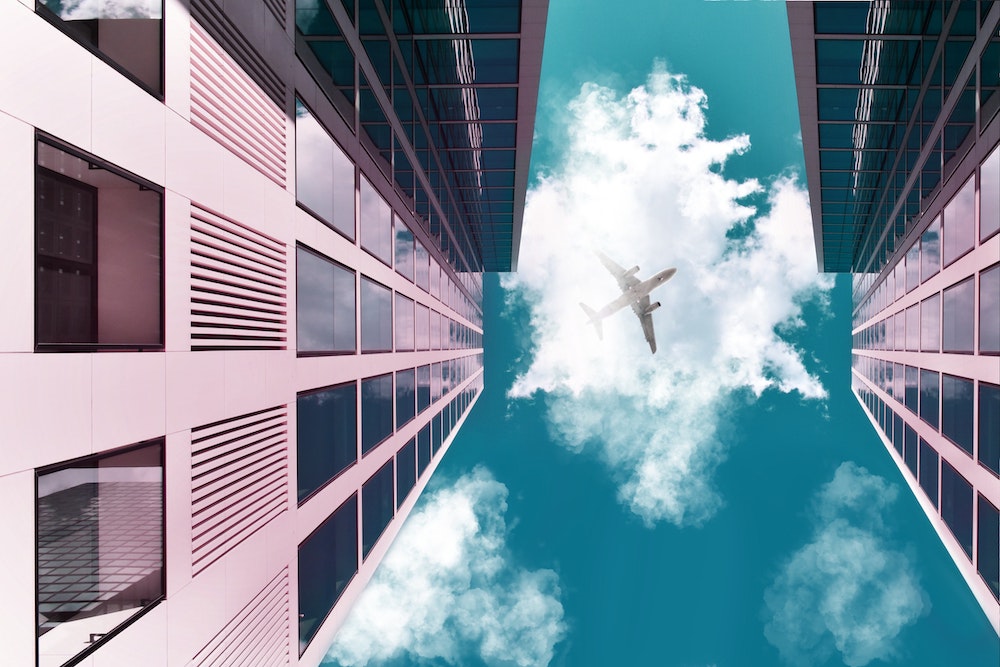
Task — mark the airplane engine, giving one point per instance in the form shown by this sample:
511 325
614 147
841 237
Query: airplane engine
632 271
652 307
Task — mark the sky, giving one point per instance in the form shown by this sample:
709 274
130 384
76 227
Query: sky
723 502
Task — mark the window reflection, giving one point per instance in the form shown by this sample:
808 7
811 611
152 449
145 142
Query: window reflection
325 320
929 471
376 411
910 449
324 175
326 436
956 411
959 226
406 470
930 250
376 223
958 317
989 195
989 310
423 388
377 507
404 324
404 250
989 426
956 506
912 375
913 267
930 324
929 387
988 547
99 547
376 317
913 328
405 396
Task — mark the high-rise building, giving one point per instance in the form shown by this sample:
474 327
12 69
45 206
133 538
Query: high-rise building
241 282
898 104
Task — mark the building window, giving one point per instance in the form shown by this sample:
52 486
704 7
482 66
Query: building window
376 317
376 411
930 324
989 310
897 433
376 223
929 397
912 389
324 175
100 547
98 254
423 449
930 250
435 330
328 560
423 388
423 325
325 316
913 267
956 506
958 316
131 39
404 250
929 464
436 434
405 396
377 507
404 324
913 328
327 436
989 196
910 449
956 411
406 470
421 266
989 426
988 548
959 226
900 326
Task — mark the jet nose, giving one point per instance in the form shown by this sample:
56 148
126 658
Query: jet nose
668 274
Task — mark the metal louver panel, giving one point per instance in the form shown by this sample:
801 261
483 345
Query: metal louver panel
231 107
258 635
238 285
277 8
239 481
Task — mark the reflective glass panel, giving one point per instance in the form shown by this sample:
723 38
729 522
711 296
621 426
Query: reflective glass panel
99 546
423 388
377 506
324 175
956 411
423 334
899 339
376 411
958 317
930 324
423 449
328 560
929 396
956 505
421 266
404 323
376 317
406 470
913 328
404 250
405 396
324 309
989 310
989 195
897 433
376 223
989 426
930 250
959 225
912 390
910 449
929 471
913 267
988 545
326 436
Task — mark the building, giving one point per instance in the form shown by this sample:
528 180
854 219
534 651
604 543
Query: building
898 104
241 284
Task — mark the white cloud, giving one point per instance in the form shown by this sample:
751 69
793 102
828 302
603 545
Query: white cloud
446 589
641 181
846 590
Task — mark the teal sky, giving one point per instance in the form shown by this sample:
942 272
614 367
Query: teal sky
635 592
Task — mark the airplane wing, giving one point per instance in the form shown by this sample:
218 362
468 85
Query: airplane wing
646 319
625 279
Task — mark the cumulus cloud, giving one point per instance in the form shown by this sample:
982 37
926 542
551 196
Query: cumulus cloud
641 180
845 591
446 589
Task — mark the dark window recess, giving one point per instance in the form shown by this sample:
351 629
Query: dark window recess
376 411
929 471
423 449
956 411
98 255
929 396
910 449
328 560
989 545
100 556
376 507
405 396
327 436
406 470
131 40
956 506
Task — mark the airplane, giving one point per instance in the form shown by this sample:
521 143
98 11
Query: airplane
635 293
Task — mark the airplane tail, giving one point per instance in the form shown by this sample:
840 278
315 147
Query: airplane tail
594 319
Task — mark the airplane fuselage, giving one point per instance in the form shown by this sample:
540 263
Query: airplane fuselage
632 295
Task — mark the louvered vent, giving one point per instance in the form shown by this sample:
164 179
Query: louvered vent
238 285
258 635
239 480
277 8
235 97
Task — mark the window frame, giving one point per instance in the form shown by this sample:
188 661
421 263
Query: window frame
142 184
355 384
357 305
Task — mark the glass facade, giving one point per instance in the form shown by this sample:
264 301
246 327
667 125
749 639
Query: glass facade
326 436
325 305
377 507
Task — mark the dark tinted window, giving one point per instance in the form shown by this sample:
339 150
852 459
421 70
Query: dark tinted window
989 545
376 411
327 436
328 560
129 37
912 390
956 505
910 449
989 310
958 316
82 302
897 433
929 471
324 175
423 449
406 470
376 507
99 546
423 388
436 433
405 396
956 411
929 397
989 426
376 317
325 320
